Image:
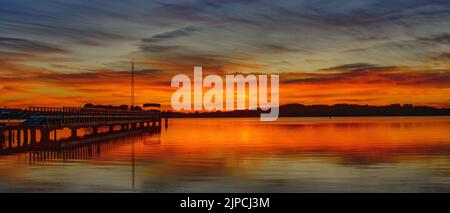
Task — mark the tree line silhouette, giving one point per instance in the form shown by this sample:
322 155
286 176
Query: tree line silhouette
337 110
301 110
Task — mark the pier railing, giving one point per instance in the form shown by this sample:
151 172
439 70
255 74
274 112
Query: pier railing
86 114
91 112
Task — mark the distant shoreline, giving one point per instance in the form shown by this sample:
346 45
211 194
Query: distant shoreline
337 110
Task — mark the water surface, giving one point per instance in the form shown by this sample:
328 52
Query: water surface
376 154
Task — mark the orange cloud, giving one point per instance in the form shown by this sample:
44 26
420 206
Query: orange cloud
24 85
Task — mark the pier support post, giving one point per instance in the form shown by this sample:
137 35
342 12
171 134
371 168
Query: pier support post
32 136
10 137
45 137
94 130
54 134
25 137
111 128
18 136
2 138
73 133
166 122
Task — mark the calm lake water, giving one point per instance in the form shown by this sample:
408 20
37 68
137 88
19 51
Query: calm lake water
379 154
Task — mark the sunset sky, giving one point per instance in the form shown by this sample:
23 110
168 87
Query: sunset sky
376 52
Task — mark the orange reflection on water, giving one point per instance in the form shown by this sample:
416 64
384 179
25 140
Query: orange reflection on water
365 135
391 154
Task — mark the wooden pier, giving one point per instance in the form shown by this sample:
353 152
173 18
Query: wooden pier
40 125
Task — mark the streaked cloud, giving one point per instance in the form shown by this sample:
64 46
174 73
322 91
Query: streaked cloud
443 38
63 49
28 46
